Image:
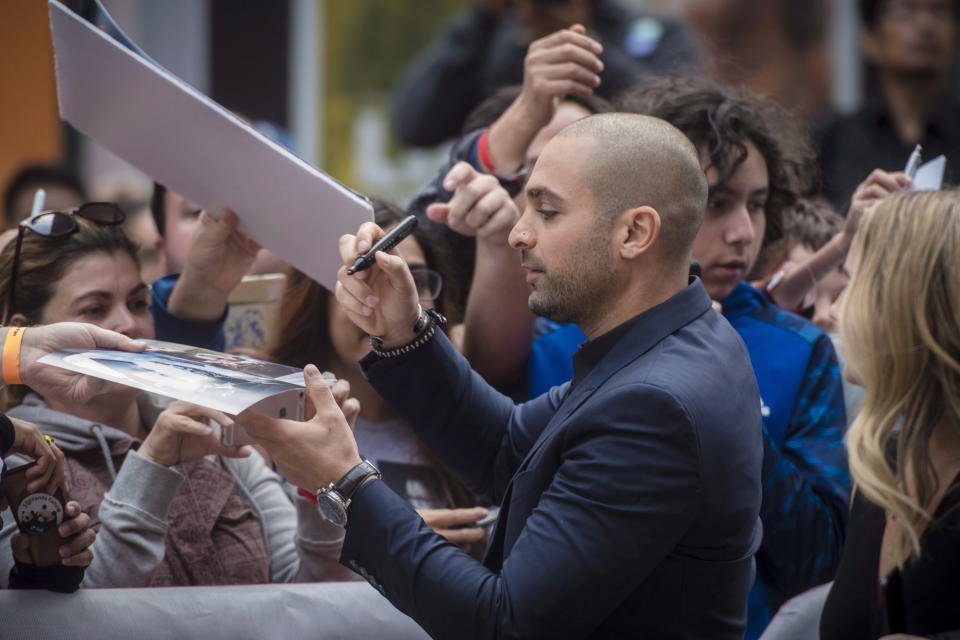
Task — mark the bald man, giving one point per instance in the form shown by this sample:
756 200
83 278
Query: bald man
630 495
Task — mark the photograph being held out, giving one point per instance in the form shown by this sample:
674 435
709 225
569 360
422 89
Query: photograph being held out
134 466
313 328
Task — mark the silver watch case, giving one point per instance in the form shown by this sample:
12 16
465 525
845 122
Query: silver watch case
332 505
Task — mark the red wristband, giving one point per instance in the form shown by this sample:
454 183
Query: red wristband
483 151
306 494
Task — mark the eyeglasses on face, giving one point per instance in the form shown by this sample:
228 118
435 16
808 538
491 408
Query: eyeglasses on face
429 283
54 224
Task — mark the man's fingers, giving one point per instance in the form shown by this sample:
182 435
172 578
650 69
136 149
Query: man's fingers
350 303
105 339
447 518
351 410
566 56
459 174
215 230
320 394
230 218
259 426
565 87
40 474
463 536
195 411
79 542
571 71
82 559
340 389
190 426
464 199
72 509
486 207
74 525
575 35
889 180
347 246
438 212
367 235
356 287
872 192
397 272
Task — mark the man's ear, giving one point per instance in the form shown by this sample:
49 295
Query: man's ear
641 228
18 320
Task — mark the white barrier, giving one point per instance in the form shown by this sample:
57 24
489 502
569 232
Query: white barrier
348 610
799 617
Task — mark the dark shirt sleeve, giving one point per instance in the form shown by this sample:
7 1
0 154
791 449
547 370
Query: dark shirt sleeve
170 328
440 89
479 434
597 531
806 484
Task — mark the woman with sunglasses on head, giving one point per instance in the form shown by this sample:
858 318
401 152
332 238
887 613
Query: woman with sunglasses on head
312 328
173 506
900 323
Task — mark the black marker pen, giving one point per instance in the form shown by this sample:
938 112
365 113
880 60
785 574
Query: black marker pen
387 242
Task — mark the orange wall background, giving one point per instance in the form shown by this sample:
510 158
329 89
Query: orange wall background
30 129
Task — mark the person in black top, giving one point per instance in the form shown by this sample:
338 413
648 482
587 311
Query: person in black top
901 334
910 46
485 51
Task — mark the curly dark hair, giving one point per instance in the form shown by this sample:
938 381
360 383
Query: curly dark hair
722 121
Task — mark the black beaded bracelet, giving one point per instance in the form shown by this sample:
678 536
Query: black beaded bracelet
425 326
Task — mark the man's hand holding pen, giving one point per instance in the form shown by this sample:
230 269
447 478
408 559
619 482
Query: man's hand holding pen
381 300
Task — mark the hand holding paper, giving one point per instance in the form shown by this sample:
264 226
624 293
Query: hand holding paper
310 454
220 255
182 433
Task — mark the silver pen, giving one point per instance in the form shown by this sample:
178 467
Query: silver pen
913 162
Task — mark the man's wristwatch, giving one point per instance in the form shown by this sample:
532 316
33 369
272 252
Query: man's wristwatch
333 500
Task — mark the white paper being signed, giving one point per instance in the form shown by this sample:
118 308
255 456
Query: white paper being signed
182 139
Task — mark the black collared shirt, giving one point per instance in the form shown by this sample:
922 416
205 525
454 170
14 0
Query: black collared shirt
853 145
593 351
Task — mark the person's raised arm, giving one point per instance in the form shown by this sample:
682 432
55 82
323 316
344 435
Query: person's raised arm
794 286
563 63
498 325
218 258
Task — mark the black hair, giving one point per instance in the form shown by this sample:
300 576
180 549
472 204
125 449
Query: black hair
37 175
487 112
722 121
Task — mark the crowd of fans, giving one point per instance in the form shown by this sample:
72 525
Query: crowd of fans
832 271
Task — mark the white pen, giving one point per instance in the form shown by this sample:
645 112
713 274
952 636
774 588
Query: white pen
913 162
38 199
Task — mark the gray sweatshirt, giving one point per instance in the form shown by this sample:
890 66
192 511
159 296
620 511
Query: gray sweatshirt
301 545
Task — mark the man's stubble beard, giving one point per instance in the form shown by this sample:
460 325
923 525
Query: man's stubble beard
578 290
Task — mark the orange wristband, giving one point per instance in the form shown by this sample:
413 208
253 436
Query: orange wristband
11 355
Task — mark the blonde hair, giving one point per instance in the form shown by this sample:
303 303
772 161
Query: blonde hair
900 322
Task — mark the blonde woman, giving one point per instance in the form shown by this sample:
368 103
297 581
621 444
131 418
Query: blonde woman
900 321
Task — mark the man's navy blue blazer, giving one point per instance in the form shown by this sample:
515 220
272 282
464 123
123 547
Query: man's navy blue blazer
630 502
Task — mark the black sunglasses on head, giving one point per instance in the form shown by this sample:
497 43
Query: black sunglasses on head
54 224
